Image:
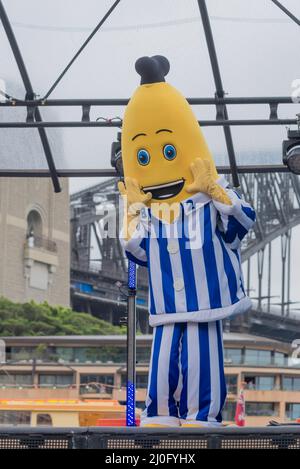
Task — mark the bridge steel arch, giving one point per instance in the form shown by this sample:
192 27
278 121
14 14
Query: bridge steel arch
276 197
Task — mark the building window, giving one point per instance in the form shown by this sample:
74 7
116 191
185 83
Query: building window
231 383
260 383
258 357
55 381
123 381
44 420
40 353
141 380
19 354
280 359
64 354
34 227
39 276
291 383
104 354
292 411
261 409
228 412
15 379
233 356
143 354
96 384
14 418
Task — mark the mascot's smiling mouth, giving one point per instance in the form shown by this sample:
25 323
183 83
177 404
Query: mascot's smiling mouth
165 191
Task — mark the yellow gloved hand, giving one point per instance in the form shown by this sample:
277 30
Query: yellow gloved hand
133 195
134 200
204 181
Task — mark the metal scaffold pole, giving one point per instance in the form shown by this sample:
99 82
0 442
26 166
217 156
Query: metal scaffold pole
131 345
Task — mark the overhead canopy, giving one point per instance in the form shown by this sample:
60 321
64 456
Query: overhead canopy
257 49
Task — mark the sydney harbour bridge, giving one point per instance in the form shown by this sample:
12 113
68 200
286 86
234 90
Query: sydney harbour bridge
98 273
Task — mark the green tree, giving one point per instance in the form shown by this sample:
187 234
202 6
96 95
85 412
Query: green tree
29 319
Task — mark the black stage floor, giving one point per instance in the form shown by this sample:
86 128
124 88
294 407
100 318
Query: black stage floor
272 437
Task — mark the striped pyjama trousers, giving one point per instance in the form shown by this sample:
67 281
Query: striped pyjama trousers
186 377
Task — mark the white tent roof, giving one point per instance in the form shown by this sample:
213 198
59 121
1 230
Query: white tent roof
257 49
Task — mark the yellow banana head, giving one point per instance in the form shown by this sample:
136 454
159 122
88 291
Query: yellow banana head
161 136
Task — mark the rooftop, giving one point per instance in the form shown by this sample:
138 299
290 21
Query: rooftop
94 340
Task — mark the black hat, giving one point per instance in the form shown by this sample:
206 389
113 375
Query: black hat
152 69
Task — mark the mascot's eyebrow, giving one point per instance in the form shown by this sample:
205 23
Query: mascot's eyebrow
138 135
164 130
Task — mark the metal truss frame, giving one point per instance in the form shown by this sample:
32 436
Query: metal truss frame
34 119
30 95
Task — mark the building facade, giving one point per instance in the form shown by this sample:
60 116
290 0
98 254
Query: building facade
34 241
34 221
94 367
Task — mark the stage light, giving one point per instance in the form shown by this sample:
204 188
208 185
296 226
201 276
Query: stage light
291 151
116 156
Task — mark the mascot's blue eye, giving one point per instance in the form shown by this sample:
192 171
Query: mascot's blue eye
169 152
143 157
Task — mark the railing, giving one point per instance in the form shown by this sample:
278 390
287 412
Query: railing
57 360
37 386
96 388
35 392
42 243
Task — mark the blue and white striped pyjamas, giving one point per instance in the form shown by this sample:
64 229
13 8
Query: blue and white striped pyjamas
186 377
195 281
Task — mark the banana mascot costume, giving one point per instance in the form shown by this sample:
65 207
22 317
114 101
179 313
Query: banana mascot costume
183 222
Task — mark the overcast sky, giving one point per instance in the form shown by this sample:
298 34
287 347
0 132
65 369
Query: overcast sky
258 50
